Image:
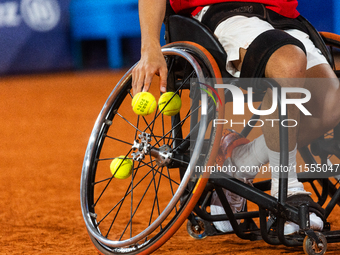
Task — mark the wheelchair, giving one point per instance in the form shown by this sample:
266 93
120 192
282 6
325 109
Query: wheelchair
139 214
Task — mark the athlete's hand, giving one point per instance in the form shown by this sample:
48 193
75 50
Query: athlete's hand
152 62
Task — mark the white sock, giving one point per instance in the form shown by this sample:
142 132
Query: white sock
294 186
251 155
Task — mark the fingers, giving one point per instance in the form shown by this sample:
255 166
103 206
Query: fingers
137 80
141 79
147 81
163 75
143 74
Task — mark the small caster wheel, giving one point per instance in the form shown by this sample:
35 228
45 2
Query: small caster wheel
311 248
198 231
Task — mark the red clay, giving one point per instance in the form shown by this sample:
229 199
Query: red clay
45 124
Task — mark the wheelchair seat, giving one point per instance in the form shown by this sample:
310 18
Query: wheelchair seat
181 28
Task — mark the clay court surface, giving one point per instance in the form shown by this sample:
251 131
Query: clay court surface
45 124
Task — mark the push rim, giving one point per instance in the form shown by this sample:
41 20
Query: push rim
91 151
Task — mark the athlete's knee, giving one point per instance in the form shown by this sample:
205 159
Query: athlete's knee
274 54
289 61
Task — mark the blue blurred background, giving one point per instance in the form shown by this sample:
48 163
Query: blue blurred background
58 35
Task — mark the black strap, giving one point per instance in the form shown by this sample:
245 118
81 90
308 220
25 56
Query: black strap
260 50
222 11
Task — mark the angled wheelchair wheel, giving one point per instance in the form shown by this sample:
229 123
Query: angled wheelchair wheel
140 213
332 41
332 184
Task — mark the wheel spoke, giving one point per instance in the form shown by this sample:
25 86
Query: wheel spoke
155 201
116 139
141 200
179 123
107 185
128 122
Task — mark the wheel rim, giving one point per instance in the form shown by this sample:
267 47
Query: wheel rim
90 218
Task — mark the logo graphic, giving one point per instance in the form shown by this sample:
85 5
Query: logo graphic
40 15
238 100
210 94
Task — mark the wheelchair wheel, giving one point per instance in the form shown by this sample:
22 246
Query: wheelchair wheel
198 231
311 248
140 213
332 184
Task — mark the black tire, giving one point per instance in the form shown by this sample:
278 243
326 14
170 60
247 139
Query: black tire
122 216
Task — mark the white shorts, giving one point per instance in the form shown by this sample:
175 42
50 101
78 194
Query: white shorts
239 32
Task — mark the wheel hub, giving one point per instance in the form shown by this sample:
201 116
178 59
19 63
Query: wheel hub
143 147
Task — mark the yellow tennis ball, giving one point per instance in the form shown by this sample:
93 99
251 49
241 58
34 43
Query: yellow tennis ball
121 167
171 108
143 103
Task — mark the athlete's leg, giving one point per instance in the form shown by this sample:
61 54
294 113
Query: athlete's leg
280 65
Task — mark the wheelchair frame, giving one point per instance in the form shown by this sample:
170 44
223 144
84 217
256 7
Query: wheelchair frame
192 204
255 194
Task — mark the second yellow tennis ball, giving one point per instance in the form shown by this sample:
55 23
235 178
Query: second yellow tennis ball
121 167
143 103
169 103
